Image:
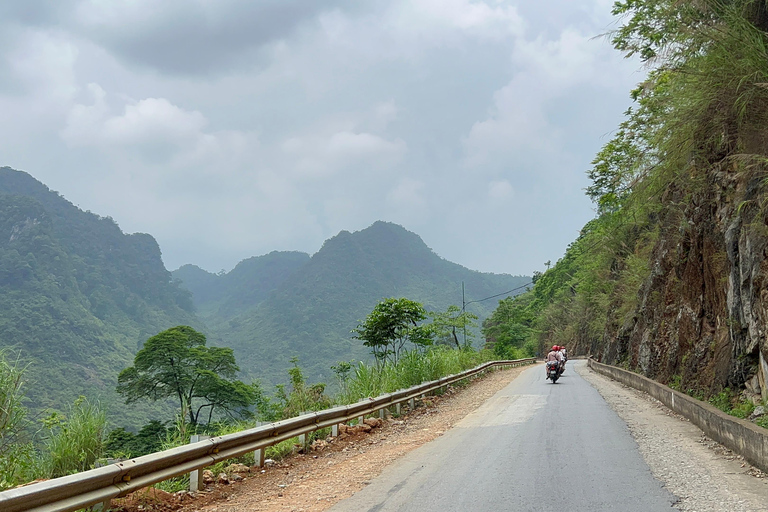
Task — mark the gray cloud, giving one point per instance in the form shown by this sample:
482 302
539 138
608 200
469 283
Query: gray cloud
177 36
229 129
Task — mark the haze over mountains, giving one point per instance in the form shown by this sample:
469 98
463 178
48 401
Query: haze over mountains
306 306
79 297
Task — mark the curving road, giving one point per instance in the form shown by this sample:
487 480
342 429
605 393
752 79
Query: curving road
534 446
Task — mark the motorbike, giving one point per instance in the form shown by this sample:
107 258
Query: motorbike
553 371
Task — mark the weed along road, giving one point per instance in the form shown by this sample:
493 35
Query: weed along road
534 446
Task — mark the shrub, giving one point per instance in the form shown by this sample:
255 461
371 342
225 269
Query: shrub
74 442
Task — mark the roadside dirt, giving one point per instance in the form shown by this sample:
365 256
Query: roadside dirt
703 474
333 469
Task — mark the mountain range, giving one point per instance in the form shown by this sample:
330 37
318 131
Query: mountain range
306 306
78 298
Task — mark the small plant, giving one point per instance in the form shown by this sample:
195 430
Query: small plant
722 400
742 409
75 441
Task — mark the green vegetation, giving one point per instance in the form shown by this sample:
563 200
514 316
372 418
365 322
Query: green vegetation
391 326
74 442
78 297
681 196
176 363
306 306
15 446
411 369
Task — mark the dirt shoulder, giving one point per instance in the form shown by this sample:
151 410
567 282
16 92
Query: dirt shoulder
704 475
332 470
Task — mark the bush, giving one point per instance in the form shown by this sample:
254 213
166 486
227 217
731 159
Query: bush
412 368
75 442
15 449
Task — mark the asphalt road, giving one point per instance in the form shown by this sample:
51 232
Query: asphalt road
534 446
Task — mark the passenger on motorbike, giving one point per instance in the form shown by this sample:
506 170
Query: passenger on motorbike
555 356
564 355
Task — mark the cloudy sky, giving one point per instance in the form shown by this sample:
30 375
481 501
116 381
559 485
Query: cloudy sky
231 128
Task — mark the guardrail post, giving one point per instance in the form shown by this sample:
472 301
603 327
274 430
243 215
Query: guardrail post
383 412
196 476
102 507
361 420
335 430
412 404
259 457
398 409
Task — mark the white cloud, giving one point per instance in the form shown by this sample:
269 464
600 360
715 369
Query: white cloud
326 156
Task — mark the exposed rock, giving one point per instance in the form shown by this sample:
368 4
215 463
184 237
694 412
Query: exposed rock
373 422
759 411
236 478
753 385
319 445
238 468
208 476
222 479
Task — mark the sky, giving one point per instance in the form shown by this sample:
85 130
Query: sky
231 128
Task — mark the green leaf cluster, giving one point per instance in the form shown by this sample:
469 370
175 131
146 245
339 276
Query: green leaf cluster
176 363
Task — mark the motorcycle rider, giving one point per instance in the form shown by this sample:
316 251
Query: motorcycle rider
565 358
555 355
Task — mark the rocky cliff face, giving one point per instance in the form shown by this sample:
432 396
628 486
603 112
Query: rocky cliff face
702 312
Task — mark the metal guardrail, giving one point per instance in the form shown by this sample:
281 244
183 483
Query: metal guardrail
99 485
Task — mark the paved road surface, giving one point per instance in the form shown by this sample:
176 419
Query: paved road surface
534 446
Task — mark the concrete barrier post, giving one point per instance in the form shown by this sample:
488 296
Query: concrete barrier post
102 507
196 476
335 430
360 420
259 457
398 409
412 404
383 413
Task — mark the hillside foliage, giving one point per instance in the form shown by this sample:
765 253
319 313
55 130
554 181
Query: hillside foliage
310 305
668 278
78 297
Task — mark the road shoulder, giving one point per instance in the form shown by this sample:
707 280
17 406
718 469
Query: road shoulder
315 481
706 476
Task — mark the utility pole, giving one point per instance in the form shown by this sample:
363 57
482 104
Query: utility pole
463 306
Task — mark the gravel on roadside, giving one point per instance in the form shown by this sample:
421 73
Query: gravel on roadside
704 475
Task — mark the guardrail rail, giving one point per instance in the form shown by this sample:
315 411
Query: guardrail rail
98 486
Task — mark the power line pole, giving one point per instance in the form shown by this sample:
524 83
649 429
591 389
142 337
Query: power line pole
463 305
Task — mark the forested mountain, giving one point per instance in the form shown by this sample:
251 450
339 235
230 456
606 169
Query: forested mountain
77 295
78 298
671 278
315 302
228 294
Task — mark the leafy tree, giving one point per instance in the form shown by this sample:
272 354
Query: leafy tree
391 325
149 439
176 363
447 324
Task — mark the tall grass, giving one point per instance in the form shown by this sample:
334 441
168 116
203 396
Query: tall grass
76 441
412 369
16 453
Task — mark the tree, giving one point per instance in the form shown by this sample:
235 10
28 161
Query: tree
176 363
446 325
391 325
